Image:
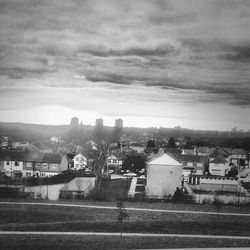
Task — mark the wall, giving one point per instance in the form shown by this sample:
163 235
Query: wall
219 187
217 169
162 180
210 184
53 191
64 164
46 191
225 199
80 184
217 180
131 191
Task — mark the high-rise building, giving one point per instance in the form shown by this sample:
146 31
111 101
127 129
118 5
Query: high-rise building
119 123
99 122
74 122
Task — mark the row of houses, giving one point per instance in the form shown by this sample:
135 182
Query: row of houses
27 164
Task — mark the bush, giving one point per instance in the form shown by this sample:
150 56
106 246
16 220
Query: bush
206 201
217 202
180 197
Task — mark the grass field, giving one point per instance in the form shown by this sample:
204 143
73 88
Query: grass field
116 242
54 218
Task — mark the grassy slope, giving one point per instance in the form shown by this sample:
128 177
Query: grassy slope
44 218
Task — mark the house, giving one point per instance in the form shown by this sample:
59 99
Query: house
114 160
54 139
51 165
127 151
217 153
80 161
205 150
219 166
67 162
92 144
164 176
19 144
237 156
27 164
194 164
19 163
188 152
138 149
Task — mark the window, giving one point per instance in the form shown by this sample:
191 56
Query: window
77 158
16 163
53 165
7 163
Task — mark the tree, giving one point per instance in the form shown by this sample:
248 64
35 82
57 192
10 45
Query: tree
134 162
171 143
122 214
151 144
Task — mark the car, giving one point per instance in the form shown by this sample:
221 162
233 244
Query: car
130 174
142 176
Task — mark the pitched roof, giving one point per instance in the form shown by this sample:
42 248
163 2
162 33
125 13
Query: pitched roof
219 160
52 158
194 158
205 150
188 152
235 151
163 159
217 153
9 155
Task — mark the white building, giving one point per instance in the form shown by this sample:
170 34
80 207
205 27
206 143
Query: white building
219 166
164 175
80 161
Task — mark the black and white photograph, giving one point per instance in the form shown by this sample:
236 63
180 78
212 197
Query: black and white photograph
125 124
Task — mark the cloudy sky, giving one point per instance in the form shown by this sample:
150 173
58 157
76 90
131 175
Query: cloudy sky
149 62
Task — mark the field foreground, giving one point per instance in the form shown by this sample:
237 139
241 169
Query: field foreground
24 217
111 242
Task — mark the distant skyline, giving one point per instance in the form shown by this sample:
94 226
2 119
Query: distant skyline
152 63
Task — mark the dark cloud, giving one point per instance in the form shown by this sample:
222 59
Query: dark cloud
160 50
108 77
238 53
22 72
225 50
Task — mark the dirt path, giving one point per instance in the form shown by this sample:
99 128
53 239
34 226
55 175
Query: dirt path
125 234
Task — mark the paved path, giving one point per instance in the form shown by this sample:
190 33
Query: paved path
125 234
221 248
128 208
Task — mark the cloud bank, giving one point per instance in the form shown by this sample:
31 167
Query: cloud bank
161 51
